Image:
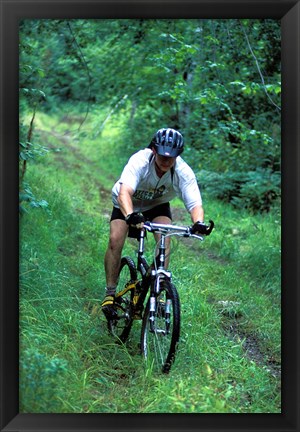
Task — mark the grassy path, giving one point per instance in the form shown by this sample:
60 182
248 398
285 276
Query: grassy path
229 356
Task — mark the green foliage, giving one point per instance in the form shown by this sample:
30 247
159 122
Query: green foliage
216 80
40 381
26 196
257 191
29 150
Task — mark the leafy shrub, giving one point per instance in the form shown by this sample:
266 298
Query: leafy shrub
26 196
260 191
40 378
255 190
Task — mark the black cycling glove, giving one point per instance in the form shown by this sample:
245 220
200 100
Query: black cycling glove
198 228
201 228
134 219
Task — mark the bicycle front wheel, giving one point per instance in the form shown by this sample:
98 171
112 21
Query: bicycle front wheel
161 327
121 322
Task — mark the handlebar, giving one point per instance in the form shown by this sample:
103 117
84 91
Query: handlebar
184 231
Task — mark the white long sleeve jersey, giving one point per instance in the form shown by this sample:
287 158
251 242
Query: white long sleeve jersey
151 190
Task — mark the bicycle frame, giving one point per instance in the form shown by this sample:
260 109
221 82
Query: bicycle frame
142 264
163 229
144 268
148 278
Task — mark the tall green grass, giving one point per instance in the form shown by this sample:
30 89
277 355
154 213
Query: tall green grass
229 287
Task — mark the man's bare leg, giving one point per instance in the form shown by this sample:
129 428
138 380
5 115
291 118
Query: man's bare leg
118 233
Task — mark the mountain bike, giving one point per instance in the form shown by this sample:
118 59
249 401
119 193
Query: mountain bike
160 317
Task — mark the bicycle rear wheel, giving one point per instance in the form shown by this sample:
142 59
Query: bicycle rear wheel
121 321
159 339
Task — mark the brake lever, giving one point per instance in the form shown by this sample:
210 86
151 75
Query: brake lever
197 236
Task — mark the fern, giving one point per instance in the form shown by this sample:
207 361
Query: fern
257 190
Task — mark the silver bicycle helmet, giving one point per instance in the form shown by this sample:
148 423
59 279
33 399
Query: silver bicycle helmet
168 142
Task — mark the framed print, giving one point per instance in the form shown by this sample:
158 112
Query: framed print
150 62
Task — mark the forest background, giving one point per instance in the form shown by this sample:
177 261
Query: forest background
91 93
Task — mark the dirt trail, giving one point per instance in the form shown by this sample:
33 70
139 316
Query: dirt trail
65 141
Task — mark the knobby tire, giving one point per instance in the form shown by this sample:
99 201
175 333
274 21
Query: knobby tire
159 346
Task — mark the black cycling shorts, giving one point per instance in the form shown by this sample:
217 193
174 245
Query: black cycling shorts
159 210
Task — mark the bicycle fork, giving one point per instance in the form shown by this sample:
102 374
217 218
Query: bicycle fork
168 315
165 311
152 313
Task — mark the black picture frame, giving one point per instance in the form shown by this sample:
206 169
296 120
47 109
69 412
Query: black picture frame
289 14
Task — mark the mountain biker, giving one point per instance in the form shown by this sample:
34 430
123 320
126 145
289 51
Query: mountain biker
149 181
